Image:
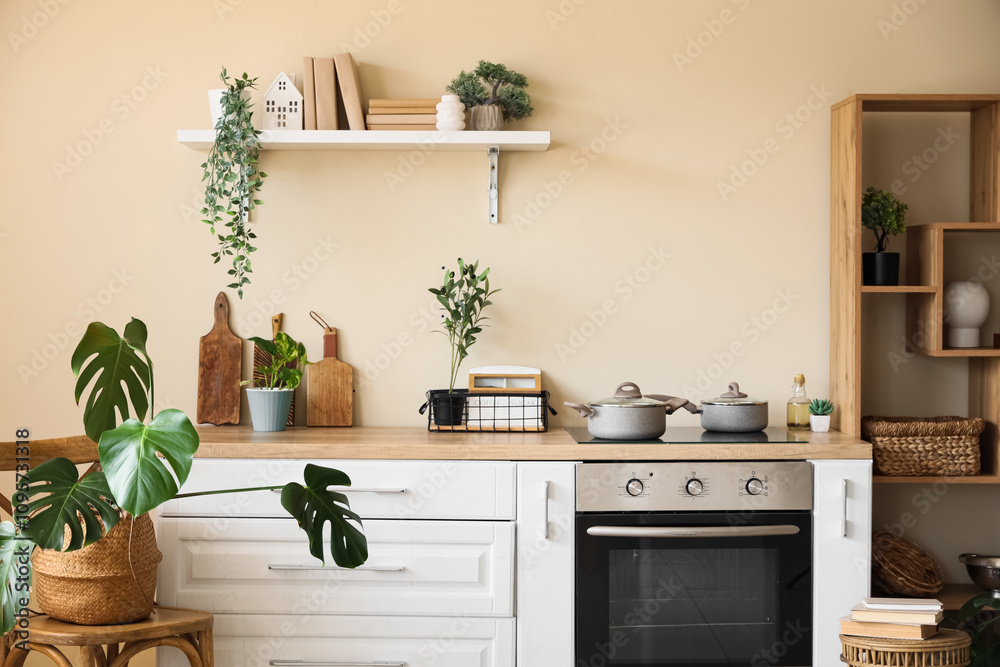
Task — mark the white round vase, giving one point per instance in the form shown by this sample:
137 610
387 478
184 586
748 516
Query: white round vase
450 113
966 307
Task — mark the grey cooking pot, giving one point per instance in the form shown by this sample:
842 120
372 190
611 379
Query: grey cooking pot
734 412
628 415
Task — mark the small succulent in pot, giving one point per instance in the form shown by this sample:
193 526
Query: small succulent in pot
820 410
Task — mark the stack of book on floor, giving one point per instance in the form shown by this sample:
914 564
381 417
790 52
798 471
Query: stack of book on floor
418 114
893 618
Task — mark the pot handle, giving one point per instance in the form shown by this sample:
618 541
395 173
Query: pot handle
674 403
584 410
628 390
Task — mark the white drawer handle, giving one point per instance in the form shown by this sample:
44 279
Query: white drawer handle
309 663
360 568
358 489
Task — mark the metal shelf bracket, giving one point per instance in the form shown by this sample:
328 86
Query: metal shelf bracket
494 155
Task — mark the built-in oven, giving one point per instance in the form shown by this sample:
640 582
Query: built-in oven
684 564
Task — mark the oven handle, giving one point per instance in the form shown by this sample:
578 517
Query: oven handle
692 531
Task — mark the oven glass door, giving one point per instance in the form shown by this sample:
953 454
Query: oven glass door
693 589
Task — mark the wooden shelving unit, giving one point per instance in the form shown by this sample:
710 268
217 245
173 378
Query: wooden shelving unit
925 289
953 596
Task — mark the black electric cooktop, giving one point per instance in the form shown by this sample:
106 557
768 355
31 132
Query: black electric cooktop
688 435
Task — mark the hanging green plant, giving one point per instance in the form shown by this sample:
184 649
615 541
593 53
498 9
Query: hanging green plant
232 179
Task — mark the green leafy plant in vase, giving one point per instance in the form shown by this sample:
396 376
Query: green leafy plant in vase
885 216
270 403
145 459
982 615
493 93
463 295
232 179
820 410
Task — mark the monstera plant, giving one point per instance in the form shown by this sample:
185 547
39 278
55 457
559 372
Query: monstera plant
143 463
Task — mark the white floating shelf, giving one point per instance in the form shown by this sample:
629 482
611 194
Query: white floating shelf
375 140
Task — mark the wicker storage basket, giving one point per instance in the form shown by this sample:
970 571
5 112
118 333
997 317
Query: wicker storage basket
948 648
924 446
95 585
902 567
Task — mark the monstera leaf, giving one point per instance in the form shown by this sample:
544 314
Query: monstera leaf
68 501
115 362
139 479
314 505
9 544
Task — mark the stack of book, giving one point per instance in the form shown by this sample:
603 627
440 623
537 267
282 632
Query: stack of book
893 618
418 114
322 79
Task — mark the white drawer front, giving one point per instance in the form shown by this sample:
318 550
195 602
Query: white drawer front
416 568
278 641
379 489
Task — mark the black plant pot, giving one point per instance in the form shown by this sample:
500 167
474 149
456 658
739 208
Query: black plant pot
448 409
880 268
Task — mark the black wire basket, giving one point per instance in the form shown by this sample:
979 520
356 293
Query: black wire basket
462 411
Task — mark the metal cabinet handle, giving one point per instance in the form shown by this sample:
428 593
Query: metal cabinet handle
326 663
843 519
362 568
692 531
359 489
545 526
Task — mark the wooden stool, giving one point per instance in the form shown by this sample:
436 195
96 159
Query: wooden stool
186 629
948 648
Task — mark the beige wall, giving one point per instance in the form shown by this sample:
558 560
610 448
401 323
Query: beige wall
120 230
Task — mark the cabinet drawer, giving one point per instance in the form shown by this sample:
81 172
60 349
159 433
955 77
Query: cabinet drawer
281 641
414 568
379 489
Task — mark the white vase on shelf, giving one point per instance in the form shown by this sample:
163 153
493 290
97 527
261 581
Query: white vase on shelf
450 114
966 307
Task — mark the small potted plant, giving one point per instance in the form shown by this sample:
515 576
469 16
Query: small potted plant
819 415
463 297
882 213
507 98
270 403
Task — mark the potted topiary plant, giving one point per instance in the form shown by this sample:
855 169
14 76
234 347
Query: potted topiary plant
882 213
463 298
820 410
269 404
83 527
232 179
507 98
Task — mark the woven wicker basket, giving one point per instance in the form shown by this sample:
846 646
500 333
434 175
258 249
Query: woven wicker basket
924 446
96 585
902 567
948 648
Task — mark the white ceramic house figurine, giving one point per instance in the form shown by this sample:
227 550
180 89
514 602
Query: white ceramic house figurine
283 105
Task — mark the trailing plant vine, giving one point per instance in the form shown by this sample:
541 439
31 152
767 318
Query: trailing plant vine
232 179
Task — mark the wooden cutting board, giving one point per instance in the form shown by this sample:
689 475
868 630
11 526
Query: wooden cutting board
262 358
329 387
220 366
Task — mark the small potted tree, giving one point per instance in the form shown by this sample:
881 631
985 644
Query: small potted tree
507 98
820 410
463 297
270 403
882 213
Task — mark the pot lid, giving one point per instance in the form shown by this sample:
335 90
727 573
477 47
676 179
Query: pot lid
628 395
734 397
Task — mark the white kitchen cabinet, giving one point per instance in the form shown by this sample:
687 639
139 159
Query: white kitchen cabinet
245 640
546 511
842 529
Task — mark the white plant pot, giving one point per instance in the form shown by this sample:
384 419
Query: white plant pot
269 408
819 423
215 103
450 114
966 307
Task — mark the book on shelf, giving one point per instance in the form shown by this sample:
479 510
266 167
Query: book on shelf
350 90
908 617
308 94
886 630
403 119
426 103
411 128
326 93
381 111
902 604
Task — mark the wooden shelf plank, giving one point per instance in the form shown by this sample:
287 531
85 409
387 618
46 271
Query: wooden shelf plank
898 289
953 596
368 140
963 352
967 479
919 102
959 226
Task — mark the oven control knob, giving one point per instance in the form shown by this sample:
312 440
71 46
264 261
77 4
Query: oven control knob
695 487
634 487
754 486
